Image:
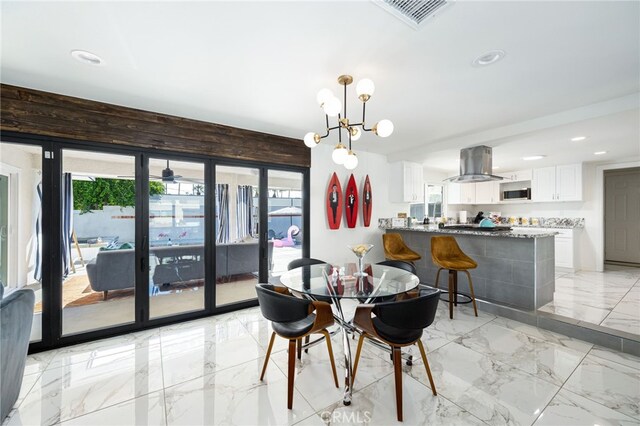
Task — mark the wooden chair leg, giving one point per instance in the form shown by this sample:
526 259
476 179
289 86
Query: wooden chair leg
397 370
426 364
455 288
266 360
327 337
299 348
451 274
355 365
473 296
291 372
437 277
105 294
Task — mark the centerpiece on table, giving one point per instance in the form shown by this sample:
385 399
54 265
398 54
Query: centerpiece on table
360 250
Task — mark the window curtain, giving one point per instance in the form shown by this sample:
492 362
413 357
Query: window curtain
244 205
67 222
35 242
222 213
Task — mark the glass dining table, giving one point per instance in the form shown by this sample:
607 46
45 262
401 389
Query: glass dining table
334 283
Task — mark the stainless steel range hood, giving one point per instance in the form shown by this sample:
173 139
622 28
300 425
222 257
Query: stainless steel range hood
475 166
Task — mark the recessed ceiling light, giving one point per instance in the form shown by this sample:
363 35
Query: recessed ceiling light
496 167
533 157
488 58
578 138
86 57
599 152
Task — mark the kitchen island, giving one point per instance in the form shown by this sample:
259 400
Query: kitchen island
515 268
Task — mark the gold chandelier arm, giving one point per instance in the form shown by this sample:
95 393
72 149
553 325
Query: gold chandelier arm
364 106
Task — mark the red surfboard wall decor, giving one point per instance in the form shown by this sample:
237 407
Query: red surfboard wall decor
367 201
351 202
334 202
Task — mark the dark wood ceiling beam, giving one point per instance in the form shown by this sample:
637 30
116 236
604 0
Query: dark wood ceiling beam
40 113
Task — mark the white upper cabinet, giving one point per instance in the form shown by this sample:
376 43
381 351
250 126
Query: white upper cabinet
461 193
558 183
569 182
407 183
543 184
488 192
518 176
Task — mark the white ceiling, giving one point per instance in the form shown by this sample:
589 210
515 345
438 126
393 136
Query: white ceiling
258 65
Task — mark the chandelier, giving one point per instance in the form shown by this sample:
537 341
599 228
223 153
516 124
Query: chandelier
332 107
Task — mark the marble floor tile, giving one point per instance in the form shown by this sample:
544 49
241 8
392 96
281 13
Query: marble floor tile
27 384
37 363
376 405
492 391
201 332
616 356
602 300
611 384
539 358
577 312
86 352
185 362
567 408
611 278
629 305
235 396
622 322
546 335
74 390
144 410
444 330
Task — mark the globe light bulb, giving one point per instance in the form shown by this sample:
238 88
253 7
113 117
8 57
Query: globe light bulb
323 96
383 128
355 133
332 107
365 87
339 154
351 162
311 139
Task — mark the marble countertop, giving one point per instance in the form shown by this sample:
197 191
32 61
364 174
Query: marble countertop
547 226
503 234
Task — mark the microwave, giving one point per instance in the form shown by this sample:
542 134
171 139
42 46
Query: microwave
518 194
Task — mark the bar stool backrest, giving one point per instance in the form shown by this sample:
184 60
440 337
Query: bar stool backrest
445 247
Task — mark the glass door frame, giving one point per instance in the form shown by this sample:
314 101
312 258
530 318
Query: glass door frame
52 148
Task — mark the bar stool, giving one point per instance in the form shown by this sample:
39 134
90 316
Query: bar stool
396 249
446 254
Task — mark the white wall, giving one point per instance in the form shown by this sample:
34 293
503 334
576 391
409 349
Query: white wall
331 245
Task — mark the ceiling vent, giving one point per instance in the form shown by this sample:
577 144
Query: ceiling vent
414 13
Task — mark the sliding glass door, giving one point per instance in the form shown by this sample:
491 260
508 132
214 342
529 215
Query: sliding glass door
98 218
285 219
237 231
177 230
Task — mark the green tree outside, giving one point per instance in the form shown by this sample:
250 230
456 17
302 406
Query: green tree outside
95 194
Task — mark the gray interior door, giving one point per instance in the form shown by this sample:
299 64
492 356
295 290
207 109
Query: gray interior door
622 215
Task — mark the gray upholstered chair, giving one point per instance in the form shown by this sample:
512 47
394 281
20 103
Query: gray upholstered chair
16 316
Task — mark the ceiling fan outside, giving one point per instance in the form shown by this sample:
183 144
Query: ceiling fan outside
168 176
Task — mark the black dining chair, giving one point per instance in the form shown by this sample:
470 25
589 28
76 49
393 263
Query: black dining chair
398 324
304 261
292 319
